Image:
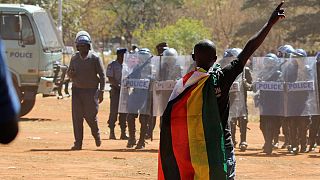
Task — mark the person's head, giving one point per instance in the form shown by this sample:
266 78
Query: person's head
286 51
83 42
205 54
161 47
318 56
169 56
120 54
229 55
144 54
233 52
301 53
270 60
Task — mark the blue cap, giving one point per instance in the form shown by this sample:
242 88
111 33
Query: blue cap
121 50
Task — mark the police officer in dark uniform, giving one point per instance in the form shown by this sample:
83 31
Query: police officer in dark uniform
298 122
114 74
151 122
139 100
87 89
315 119
271 110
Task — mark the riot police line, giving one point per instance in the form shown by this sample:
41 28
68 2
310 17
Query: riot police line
286 87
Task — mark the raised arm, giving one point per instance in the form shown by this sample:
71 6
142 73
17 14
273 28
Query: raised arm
256 40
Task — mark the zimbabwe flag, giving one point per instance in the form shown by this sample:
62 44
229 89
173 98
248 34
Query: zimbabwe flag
191 137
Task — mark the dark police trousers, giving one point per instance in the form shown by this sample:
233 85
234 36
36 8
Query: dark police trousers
84 106
298 126
132 127
268 126
314 129
114 104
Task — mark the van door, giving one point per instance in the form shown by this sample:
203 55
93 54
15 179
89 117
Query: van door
22 51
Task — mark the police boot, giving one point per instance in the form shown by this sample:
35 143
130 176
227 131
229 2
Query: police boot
112 135
141 144
243 146
132 139
123 134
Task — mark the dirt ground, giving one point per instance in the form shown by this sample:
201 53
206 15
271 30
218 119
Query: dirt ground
42 151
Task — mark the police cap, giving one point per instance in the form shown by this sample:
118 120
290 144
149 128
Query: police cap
121 50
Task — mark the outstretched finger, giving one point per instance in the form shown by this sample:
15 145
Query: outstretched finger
279 6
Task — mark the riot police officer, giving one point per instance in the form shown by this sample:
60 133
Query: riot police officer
315 119
87 89
239 117
139 101
271 110
151 122
114 74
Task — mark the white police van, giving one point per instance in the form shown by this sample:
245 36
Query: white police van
33 50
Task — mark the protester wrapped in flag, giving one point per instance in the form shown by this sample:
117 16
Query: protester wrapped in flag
195 136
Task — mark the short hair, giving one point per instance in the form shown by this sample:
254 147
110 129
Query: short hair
205 45
162 44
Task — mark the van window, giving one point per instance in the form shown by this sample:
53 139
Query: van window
8 29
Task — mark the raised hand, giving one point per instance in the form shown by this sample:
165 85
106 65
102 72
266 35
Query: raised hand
277 14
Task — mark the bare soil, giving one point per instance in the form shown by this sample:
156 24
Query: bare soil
42 151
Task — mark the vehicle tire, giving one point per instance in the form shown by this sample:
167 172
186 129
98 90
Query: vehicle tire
26 104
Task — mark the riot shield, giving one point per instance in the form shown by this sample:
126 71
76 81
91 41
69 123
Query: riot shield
299 75
168 69
236 93
268 86
135 94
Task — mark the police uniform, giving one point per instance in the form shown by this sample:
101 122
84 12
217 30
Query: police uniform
85 92
140 102
114 70
315 119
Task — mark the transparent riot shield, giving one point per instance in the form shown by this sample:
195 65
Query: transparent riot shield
268 86
168 70
299 75
135 93
236 93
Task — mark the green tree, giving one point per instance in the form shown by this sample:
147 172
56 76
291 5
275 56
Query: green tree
182 35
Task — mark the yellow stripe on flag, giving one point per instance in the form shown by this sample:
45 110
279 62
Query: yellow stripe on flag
197 143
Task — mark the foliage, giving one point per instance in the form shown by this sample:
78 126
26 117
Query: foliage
229 23
182 35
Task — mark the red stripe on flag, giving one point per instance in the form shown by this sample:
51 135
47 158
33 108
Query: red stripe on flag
186 77
160 171
180 140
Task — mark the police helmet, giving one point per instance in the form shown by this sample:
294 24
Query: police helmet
301 52
233 52
318 56
286 49
271 59
83 39
144 51
170 52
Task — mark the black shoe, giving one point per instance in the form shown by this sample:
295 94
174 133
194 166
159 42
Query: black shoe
131 143
112 136
304 150
76 148
285 145
124 137
294 150
275 146
98 142
140 145
243 146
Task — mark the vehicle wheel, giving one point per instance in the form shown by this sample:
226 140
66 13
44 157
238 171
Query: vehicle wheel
26 104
